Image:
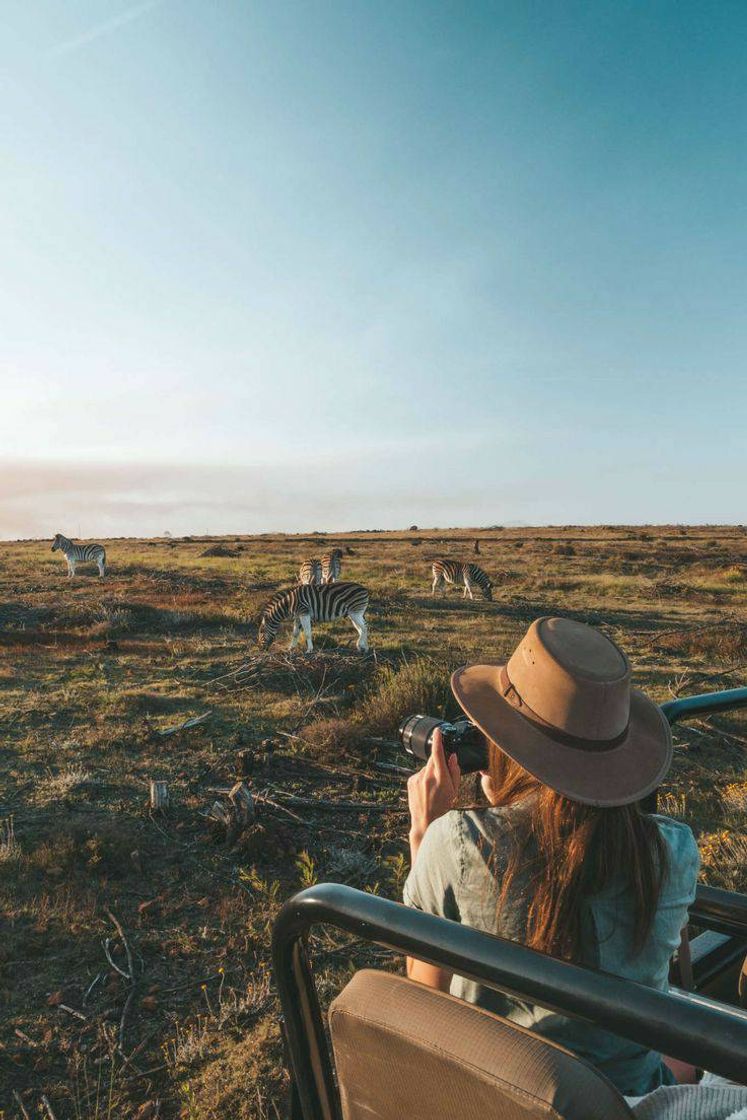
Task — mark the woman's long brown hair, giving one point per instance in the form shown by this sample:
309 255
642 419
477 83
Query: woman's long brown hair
571 852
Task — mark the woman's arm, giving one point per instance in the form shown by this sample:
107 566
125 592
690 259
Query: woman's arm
429 974
431 793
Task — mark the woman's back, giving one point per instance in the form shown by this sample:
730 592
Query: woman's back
458 874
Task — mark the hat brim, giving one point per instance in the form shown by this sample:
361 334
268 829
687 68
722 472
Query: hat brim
613 776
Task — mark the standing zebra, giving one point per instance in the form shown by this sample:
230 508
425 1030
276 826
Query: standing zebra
332 565
320 604
454 571
80 554
310 572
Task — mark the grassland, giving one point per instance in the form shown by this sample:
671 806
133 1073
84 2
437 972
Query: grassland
91 672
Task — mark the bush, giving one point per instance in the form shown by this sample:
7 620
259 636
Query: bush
420 685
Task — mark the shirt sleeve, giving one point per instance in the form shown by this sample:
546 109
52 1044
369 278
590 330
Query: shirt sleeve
433 882
680 884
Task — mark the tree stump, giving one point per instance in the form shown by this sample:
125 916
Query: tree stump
236 815
242 804
159 795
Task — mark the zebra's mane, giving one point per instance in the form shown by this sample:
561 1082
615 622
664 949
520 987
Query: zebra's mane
277 598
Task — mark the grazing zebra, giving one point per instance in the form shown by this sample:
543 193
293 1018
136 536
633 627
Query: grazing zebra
80 554
320 604
454 571
310 572
332 565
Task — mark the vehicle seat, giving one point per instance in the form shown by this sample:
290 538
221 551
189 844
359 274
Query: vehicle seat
743 984
404 1051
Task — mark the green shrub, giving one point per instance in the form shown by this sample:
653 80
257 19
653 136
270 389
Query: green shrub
420 685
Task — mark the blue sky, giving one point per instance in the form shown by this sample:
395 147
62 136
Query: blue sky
333 265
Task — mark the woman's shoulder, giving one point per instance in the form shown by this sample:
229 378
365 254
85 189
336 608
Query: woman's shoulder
682 847
462 828
677 835
496 825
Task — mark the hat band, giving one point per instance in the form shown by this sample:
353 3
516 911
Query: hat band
513 697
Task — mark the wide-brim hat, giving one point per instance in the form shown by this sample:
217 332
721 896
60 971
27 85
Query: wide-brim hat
562 706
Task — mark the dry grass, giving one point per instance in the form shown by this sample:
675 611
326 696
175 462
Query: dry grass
91 671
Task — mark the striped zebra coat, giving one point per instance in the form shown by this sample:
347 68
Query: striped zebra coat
454 571
310 572
80 554
332 565
308 603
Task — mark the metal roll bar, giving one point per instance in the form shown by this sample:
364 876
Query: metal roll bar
692 1028
706 704
689 1027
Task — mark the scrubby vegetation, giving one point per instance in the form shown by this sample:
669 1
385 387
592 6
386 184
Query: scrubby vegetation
92 673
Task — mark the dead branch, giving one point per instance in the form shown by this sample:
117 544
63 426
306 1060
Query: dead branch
342 806
194 722
118 926
21 1105
107 953
72 1011
123 1020
91 986
392 769
129 975
264 800
48 1108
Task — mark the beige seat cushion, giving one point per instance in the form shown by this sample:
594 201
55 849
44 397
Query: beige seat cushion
743 984
407 1052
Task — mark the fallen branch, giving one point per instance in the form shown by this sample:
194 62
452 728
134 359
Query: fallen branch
91 986
48 1108
72 1011
392 769
343 806
194 722
264 800
21 1105
129 975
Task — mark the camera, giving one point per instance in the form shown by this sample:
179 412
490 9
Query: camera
461 738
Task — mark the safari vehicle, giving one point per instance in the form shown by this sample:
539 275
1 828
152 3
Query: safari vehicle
403 1051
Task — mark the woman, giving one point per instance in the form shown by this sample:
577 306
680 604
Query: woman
562 859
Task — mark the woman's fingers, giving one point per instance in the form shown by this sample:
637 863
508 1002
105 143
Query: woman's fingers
438 756
454 771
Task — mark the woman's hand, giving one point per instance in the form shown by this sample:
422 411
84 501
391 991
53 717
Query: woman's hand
432 791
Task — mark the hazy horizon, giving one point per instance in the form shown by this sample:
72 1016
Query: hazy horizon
292 266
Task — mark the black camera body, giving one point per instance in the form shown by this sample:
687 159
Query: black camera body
461 738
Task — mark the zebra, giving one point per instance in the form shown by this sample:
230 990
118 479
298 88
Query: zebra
80 554
455 571
332 565
320 604
310 571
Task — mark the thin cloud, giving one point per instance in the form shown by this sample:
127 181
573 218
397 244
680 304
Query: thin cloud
100 30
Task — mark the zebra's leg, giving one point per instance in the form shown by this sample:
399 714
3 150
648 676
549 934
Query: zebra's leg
296 632
467 588
70 569
102 568
306 623
359 622
438 582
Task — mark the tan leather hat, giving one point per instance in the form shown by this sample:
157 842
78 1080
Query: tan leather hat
562 707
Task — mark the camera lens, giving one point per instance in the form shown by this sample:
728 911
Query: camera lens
462 738
416 735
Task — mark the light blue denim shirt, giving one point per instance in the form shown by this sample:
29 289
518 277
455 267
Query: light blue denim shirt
457 875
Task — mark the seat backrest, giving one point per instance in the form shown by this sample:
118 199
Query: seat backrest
407 1052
